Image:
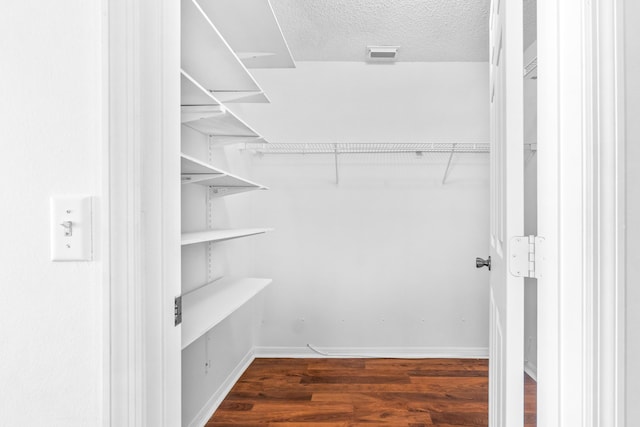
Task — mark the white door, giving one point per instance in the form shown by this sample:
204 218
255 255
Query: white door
506 364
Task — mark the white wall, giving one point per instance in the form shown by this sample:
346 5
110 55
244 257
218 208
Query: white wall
385 260
359 102
632 71
50 133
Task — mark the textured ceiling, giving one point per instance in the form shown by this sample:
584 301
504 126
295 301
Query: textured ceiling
425 30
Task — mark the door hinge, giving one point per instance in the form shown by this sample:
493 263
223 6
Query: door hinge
526 256
177 310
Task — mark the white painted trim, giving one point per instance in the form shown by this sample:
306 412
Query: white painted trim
531 370
580 365
564 212
548 332
621 215
608 114
121 250
589 217
378 352
161 208
200 420
141 219
102 225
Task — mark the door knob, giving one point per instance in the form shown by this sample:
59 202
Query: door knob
483 263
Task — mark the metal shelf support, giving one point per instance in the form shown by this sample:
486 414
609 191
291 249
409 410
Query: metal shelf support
446 171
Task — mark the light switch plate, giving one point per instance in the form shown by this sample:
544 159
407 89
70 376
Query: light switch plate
71 228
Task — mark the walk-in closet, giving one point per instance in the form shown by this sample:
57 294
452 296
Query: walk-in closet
320 213
335 194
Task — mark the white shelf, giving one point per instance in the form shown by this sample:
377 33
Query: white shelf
252 30
216 121
194 171
220 235
207 57
192 93
247 97
205 113
209 305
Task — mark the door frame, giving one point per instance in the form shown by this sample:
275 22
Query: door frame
581 214
580 375
140 244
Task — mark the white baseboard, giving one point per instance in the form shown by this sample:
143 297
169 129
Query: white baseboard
200 420
382 352
531 370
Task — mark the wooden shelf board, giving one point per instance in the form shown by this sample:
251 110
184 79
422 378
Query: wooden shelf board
206 56
205 113
227 191
238 97
193 93
209 305
196 172
227 140
220 235
252 30
225 124
193 113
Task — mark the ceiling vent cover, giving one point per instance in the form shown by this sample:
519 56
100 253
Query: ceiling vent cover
382 53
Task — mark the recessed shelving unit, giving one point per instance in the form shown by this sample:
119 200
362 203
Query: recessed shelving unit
209 305
212 236
209 60
252 30
212 76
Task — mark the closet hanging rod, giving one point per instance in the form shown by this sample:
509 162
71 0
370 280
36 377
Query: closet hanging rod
368 148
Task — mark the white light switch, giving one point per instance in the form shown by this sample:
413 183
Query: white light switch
70 228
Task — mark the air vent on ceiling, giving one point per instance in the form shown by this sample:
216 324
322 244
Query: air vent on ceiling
382 53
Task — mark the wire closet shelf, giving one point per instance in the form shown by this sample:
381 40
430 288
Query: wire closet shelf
367 148
339 149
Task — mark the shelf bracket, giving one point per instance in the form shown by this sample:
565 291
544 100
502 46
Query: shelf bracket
446 171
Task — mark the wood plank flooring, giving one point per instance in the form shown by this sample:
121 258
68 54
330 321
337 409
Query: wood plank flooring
530 401
359 393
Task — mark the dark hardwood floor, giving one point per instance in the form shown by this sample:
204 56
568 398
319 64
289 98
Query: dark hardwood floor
361 392
530 401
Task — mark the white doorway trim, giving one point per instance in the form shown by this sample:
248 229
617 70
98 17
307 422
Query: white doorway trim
580 369
609 224
140 215
580 211
121 219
